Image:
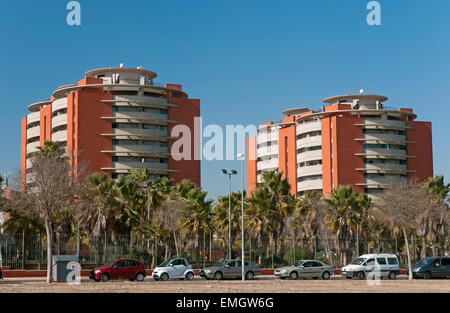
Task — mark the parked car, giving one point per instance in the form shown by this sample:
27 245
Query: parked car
387 264
180 268
120 269
1 273
433 267
231 269
305 269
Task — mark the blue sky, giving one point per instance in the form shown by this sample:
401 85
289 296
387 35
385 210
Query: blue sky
247 60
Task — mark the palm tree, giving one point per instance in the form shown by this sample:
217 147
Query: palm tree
309 218
257 217
342 216
281 203
437 186
221 220
197 221
97 209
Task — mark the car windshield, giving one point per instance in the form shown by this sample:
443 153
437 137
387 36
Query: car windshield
426 261
298 263
165 263
358 261
108 265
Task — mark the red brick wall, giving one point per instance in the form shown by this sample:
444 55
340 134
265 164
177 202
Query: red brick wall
422 148
23 150
88 127
251 164
184 113
287 156
326 155
346 146
46 124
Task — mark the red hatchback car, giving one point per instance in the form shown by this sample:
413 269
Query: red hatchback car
120 269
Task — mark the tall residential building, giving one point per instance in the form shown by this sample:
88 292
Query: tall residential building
353 140
114 120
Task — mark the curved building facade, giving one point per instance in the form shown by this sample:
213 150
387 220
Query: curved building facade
115 120
353 139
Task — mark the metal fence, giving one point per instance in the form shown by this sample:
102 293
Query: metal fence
28 251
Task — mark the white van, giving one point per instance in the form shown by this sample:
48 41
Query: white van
387 264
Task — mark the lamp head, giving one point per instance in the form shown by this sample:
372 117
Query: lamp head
224 171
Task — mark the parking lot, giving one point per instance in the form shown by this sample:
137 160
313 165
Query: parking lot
262 284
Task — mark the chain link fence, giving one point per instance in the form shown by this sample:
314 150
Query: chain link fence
28 251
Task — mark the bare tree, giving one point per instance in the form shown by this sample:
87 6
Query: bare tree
50 184
400 206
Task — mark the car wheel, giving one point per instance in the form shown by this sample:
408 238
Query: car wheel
427 275
164 276
326 275
218 275
140 277
392 275
156 279
361 275
104 278
249 276
293 275
189 276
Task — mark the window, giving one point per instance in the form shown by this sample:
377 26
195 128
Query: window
231 263
384 161
383 146
120 264
267 157
309 134
306 149
384 131
267 144
307 264
370 262
310 177
316 264
310 163
381 261
131 263
124 125
446 261
178 262
392 261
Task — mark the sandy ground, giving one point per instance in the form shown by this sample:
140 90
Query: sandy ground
266 284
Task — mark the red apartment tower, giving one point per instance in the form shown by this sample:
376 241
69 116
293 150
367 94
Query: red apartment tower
353 140
114 120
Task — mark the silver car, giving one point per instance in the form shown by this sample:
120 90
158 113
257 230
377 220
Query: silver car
230 269
305 269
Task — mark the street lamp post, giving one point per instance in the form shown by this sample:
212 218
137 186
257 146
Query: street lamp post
241 156
233 172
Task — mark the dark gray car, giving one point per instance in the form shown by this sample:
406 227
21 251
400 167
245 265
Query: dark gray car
305 269
230 269
432 267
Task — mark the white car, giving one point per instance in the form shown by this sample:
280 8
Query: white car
382 265
179 268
